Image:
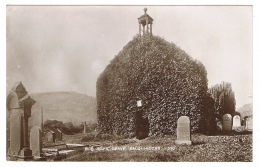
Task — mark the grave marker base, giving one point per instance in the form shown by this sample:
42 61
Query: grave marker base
39 158
180 142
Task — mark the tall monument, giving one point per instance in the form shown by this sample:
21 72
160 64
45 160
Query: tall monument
19 105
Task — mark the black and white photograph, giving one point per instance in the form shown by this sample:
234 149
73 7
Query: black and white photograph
129 83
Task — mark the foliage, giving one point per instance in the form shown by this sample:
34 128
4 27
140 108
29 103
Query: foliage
208 121
90 127
168 81
224 98
66 128
53 124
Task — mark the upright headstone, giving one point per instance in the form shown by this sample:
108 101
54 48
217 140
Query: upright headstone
15 132
36 143
249 123
19 105
227 122
50 137
58 134
236 121
85 128
219 124
183 131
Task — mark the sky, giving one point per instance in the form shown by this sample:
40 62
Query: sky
66 48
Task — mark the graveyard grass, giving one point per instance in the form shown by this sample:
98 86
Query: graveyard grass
222 148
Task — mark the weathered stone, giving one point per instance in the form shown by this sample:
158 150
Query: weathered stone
227 122
19 105
58 134
36 142
16 143
249 123
50 137
85 128
183 131
219 125
236 121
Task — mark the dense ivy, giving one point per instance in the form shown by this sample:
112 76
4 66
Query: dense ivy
168 81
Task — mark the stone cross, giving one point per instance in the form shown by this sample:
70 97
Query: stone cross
183 131
227 122
236 121
19 105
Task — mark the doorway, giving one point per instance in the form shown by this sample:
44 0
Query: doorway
142 125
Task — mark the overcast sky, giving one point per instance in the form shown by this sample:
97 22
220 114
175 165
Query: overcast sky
65 48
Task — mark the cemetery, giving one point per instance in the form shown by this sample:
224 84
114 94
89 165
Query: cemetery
153 104
184 145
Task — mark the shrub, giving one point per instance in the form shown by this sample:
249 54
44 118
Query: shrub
53 124
66 128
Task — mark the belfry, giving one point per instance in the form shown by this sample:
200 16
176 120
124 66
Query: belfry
145 23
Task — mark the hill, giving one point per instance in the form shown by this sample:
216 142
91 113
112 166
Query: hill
63 106
246 110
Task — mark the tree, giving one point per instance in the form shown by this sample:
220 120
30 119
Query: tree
66 128
224 99
53 124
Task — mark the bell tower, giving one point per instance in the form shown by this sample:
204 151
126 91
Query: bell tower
145 23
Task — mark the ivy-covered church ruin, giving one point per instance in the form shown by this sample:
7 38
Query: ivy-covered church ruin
149 85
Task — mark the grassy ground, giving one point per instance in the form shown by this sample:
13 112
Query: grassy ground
222 148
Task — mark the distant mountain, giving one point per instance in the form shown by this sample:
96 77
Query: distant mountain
63 106
246 110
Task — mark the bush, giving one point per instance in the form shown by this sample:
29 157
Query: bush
66 128
168 81
53 124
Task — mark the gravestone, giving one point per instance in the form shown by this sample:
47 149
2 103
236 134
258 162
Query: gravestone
236 121
36 143
219 125
85 128
19 105
183 131
227 122
15 132
58 134
50 137
249 123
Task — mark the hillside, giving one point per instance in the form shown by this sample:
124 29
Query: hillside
63 106
246 110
